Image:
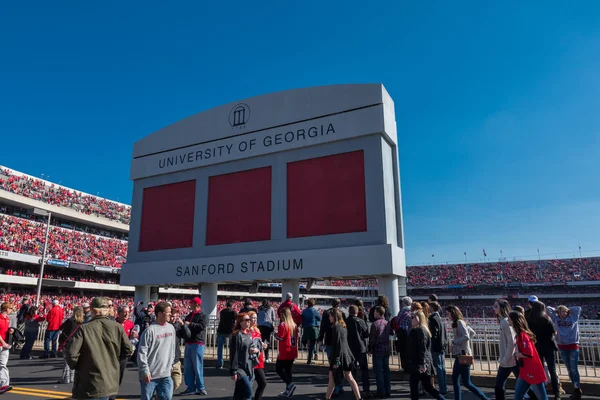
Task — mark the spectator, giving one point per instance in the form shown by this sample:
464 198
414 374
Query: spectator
94 352
193 358
341 361
288 303
507 346
379 347
310 330
31 331
404 325
5 310
55 319
156 356
227 319
439 343
358 333
68 329
266 318
241 368
383 302
287 335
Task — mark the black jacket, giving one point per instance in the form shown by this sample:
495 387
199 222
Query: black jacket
227 319
179 333
325 334
544 331
439 339
358 332
419 351
197 327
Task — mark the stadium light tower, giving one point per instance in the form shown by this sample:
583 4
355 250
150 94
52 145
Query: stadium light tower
42 213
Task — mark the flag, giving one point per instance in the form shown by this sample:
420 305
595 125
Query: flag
465 253
485 255
433 255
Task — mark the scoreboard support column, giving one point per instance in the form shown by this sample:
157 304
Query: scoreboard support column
208 293
388 286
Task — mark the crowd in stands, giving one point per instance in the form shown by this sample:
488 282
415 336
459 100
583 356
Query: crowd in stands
63 275
59 196
544 271
25 236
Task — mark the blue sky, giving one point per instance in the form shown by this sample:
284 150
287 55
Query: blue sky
497 106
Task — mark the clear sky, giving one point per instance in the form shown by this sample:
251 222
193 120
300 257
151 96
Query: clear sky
496 106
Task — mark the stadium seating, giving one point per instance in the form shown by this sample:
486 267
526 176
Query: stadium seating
59 196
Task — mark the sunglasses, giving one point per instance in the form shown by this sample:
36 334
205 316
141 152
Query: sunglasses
245 319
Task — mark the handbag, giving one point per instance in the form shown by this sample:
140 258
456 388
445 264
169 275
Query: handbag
466 360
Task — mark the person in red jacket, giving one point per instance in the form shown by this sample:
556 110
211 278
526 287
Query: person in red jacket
531 369
293 307
55 318
287 335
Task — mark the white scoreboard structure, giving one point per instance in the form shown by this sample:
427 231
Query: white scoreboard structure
281 187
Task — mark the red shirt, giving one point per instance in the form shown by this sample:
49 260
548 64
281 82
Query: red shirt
261 356
127 325
55 318
532 370
4 325
288 342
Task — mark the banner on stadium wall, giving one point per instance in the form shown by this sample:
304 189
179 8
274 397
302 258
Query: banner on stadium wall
58 263
103 269
26 258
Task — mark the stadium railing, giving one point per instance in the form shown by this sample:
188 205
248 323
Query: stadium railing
485 348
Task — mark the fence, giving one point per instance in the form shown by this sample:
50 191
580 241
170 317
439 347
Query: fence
485 347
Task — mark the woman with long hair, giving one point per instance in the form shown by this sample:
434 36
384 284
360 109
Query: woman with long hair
32 329
240 363
531 369
382 301
542 327
506 356
425 308
259 364
461 347
566 321
420 362
287 337
68 328
341 357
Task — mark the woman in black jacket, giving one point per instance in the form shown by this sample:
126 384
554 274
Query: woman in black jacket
340 363
420 362
542 327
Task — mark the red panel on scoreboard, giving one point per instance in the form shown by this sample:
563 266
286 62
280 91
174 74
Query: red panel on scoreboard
168 216
326 195
239 207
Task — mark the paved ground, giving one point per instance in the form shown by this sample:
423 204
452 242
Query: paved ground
35 379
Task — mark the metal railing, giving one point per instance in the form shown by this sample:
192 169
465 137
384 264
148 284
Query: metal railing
485 348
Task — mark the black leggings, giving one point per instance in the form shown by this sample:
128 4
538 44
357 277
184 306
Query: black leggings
261 381
265 335
425 380
284 370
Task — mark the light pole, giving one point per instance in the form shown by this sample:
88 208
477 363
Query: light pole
42 213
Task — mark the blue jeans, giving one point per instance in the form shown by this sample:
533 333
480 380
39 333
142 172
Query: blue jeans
381 365
162 386
51 336
243 389
340 387
501 378
193 366
571 360
220 343
521 388
440 369
463 372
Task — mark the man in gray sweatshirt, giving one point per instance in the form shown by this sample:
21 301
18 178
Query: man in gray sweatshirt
157 355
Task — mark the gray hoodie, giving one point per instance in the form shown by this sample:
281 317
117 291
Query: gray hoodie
568 328
156 351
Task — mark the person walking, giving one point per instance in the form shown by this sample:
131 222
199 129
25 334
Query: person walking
287 336
461 347
311 320
227 319
341 361
67 329
266 318
531 370
258 359
31 329
240 364
507 346
379 347
439 342
5 310
55 318
326 335
157 355
289 303
193 357
420 361
177 323
542 327
358 333
566 321
403 319
94 352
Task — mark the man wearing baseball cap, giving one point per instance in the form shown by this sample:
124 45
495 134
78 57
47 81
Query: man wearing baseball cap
55 318
94 351
193 358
